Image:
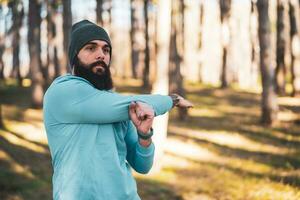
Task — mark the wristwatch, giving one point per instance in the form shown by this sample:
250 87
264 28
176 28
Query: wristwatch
175 99
147 135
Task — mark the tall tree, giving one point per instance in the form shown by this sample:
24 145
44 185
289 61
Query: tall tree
152 14
225 9
134 45
2 48
67 24
2 42
17 17
191 36
108 25
161 84
269 103
176 47
99 11
146 82
294 31
34 40
281 42
201 19
52 54
1 119
253 37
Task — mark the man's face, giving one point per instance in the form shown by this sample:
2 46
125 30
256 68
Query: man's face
92 64
93 52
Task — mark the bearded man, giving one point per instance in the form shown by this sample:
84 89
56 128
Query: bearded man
95 135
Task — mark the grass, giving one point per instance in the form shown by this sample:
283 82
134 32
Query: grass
220 152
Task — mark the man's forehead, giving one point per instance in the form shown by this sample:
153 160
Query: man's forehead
98 43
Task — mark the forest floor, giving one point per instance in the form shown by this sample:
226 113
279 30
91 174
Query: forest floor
220 152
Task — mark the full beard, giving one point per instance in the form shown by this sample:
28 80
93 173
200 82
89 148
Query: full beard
101 81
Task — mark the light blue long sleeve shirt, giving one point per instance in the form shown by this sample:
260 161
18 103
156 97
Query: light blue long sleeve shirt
92 141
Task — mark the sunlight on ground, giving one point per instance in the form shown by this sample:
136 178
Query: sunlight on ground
17 168
286 116
14 139
289 101
182 154
278 134
232 139
31 132
203 112
190 150
273 190
26 123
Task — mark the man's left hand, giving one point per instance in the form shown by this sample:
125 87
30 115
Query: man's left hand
142 116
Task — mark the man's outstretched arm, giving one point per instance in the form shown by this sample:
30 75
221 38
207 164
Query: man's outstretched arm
78 102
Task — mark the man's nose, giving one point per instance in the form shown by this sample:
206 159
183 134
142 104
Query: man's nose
100 55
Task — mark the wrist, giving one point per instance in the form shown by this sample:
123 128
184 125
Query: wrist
145 143
175 98
145 136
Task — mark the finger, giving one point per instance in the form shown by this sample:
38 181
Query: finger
146 124
133 115
132 107
145 110
189 104
185 104
141 115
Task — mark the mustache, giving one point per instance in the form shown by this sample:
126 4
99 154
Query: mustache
97 63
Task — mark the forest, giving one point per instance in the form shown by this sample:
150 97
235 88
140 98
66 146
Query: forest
237 61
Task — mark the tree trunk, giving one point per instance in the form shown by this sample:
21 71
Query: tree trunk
152 14
201 16
175 76
134 48
1 119
109 11
282 36
67 24
52 58
269 103
161 84
225 9
2 43
17 17
191 36
295 60
99 11
2 48
34 53
253 38
146 82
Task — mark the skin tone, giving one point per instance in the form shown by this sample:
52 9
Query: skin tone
141 114
93 51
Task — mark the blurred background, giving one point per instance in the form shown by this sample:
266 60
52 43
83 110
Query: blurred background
238 61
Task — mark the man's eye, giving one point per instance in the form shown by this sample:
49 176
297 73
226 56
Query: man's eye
106 50
91 48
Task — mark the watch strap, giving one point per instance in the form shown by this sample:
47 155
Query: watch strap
146 136
175 99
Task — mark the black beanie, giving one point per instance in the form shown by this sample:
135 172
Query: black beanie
82 33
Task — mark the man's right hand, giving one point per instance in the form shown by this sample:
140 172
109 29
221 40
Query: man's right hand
181 102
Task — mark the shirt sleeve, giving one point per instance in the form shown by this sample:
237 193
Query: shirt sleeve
140 158
79 102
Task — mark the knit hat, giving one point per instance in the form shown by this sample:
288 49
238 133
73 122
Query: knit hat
82 33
